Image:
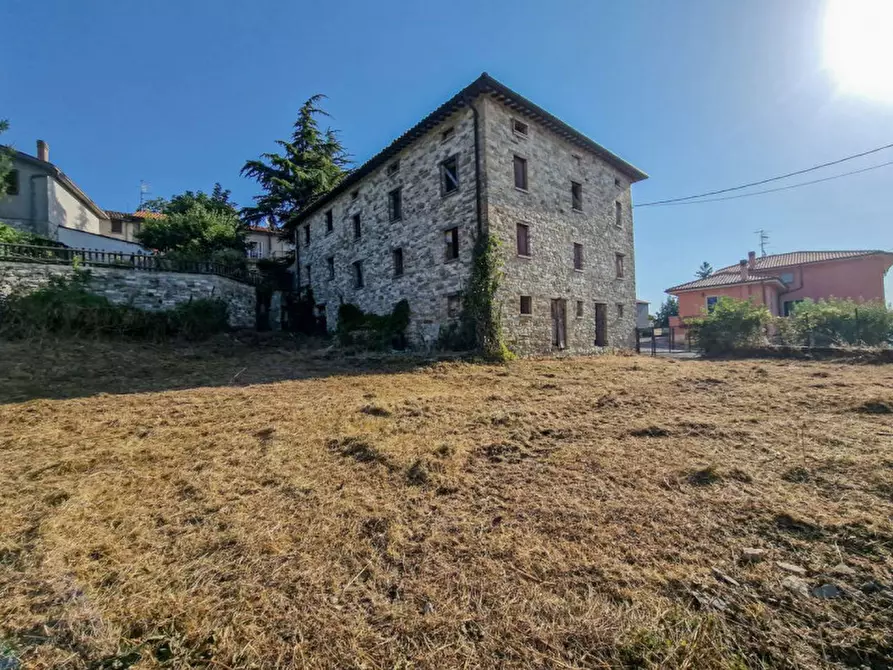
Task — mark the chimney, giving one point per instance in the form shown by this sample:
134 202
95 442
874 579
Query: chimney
43 151
743 265
751 259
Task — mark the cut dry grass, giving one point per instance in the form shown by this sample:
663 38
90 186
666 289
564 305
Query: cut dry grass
239 506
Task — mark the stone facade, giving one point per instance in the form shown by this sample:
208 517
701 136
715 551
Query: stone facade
144 290
429 277
554 226
431 280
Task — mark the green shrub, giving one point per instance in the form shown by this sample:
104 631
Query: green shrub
373 331
198 319
733 324
838 322
66 307
10 235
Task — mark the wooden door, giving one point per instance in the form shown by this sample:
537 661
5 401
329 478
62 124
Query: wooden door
559 323
601 324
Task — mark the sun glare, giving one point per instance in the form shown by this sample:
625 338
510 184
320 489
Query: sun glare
859 46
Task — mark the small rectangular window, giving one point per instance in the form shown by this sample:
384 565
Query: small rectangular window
523 237
12 182
398 262
577 196
786 277
618 264
519 128
357 228
618 213
619 310
137 227
393 168
711 302
309 274
117 226
520 173
358 274
307 235
330 263
617 183
395 204
451 243
454 305
354 195
579 309
526 305
330 222
578 256
449 176
447 134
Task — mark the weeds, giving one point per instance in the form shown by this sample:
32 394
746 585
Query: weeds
66 307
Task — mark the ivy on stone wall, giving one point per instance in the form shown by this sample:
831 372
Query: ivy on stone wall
481 322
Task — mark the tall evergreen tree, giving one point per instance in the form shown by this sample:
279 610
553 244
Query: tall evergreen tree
312 163
5 161
704 271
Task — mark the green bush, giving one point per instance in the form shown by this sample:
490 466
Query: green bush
66 307
374 331
10 235
733 324
838 322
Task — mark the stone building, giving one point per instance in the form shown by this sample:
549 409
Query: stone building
488 161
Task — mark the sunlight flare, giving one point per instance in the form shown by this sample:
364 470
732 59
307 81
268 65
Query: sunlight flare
858 45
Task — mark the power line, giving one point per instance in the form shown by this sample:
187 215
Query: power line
781 188
765 181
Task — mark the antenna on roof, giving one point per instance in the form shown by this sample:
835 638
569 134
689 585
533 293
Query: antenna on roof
144 190
764 240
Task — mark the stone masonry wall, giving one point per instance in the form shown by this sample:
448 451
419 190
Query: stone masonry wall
428 278
144 290
554 226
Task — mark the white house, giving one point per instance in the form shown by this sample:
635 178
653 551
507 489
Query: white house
42 200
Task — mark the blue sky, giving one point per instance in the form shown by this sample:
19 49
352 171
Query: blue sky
701 94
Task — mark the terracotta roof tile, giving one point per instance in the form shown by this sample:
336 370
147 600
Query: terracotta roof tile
722 279
800 257
132 216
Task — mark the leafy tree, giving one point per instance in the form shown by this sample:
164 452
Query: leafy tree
5 161
312 163
704 271
670 307
199 232
733 324
218 201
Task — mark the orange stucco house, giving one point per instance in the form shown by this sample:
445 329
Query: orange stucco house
780 281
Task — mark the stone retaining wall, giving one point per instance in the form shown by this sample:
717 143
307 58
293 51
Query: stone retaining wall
152 291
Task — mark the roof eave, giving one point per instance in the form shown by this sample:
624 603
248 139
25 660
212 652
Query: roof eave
483 84
63 178
683 288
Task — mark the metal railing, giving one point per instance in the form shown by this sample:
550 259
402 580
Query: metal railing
29 253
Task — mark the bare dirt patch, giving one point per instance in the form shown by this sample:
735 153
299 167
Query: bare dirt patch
157 509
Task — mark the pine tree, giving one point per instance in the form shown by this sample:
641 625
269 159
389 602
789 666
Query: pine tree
704 271
5 161
312 163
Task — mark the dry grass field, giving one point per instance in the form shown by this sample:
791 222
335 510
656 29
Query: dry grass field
239 506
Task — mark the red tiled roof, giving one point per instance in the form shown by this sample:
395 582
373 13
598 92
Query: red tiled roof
132 216
800 257
722 279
